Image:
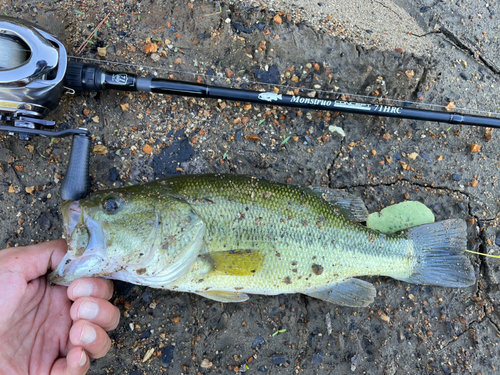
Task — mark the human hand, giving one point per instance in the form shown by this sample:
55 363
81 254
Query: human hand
41 331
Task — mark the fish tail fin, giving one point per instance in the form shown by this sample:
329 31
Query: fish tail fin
439 251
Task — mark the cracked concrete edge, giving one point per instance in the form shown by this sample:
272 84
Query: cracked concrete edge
381 24
461 42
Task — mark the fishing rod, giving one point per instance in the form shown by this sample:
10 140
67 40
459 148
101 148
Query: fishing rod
34 72
92 78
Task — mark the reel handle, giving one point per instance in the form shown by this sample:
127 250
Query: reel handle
76 183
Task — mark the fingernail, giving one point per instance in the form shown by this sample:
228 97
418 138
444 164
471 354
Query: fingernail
88 310
83 359
88 334
82 289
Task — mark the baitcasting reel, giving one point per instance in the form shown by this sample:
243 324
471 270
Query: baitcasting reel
33 64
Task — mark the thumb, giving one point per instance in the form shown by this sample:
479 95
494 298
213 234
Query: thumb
35 260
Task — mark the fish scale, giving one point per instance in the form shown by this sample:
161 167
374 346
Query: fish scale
275 225
223 236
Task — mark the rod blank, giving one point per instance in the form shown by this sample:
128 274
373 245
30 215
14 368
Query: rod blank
89 77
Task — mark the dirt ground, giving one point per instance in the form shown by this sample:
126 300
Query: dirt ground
443 52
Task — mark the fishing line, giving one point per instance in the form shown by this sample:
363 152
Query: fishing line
14 52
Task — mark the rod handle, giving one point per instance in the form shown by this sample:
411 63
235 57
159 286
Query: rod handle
76 183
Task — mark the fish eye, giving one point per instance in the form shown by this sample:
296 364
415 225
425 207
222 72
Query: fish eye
111 204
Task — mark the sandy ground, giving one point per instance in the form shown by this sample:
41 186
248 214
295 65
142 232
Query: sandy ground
372 24
431 52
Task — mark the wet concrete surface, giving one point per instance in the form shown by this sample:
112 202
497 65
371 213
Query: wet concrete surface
409 328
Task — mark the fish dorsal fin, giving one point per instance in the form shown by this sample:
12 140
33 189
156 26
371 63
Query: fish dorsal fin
351 292
349 205
235 262
221 296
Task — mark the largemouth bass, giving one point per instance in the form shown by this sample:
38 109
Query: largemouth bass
226 236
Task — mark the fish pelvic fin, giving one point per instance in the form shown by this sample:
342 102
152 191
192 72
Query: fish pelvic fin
351 292
352 207
222 296
439 255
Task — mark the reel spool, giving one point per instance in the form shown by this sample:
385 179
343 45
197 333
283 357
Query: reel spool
32 68
16 52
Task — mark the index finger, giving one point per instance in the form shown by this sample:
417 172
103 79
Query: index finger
90 287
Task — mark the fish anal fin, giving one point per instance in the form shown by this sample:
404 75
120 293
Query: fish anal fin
349 205
223 296
236 262
351 292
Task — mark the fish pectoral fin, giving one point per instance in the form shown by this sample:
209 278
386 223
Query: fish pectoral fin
236 262
350 206
222 296
351 292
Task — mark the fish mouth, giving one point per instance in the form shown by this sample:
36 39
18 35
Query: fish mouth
86 246
72 213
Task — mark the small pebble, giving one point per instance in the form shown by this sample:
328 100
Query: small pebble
114 175
44 223
259 340
147 297
167 355
437 208
456 177
278 359
317 358
497 240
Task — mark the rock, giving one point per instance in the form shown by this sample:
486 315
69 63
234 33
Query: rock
151 48
44 223
475 148
167 355
271 76
259 340
456 177
241 29
114 175
206 364
497 240
278 359
354 362
238 135
101 51
437 208
318 358
147 297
